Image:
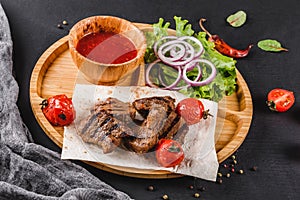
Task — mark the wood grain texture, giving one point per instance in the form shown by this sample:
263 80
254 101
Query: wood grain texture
100 73
55 73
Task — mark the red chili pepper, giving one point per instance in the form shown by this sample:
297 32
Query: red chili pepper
223 47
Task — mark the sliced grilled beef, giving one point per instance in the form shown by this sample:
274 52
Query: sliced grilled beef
114 123
148 136
104 130
119 109
144 105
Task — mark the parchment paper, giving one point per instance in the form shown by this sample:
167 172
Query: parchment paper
199 147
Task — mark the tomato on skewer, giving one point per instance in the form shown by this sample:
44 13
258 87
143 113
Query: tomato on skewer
191 110
58 110
169 153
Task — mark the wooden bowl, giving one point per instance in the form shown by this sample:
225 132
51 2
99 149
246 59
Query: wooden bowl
100 73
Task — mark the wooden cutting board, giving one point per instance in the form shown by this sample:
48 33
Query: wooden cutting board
55 73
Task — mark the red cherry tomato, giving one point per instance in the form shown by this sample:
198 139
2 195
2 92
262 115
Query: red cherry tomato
59 110
169 153
280 100
192 110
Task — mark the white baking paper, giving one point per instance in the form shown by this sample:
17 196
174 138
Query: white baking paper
199 144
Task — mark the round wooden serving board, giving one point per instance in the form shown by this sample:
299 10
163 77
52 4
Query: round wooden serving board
55 73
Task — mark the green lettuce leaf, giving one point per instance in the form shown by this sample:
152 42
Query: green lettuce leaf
182 27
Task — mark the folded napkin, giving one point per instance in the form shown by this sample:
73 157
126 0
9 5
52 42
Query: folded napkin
28 170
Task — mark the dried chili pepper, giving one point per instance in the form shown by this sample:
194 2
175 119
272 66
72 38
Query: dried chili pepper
223 47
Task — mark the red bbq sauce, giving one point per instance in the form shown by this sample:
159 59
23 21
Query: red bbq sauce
106 47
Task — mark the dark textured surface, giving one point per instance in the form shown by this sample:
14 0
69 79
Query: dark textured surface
273 142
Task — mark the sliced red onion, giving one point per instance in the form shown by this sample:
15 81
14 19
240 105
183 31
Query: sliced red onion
174 84
147 73
172 61
155 46
195 40
167 87
177 52
207 80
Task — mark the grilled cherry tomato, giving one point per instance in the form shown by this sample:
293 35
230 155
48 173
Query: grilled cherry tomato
169 153
192 110
280 100
59 110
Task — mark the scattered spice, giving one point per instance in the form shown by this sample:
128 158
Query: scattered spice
196 195
59 26
220 181
65 22
165 197
150 188
202 188
228 175
191 187
241 171
232 170
234 162
233 157
254 168
220 174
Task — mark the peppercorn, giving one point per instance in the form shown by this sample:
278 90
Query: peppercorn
220 174
233 157
65 22
59 26
241 171
254 168
220 181
191 187
165 197
202 188
225 165
232 170
150 188
196 195
228 175
235 162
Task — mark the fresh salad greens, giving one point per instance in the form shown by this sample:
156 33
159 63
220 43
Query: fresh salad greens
225 80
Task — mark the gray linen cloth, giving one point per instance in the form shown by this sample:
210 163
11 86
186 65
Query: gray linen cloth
28 170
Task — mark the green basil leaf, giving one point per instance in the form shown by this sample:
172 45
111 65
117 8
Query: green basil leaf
237 19
270 45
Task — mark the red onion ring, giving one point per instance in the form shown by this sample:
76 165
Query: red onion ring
178 53
204 82
175 61
174 84
150 83
196 41
155 46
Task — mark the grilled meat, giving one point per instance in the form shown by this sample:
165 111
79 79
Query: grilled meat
115 123
148 136
144 105
104 130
